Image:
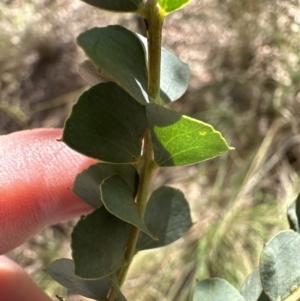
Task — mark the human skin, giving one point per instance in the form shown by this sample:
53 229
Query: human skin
36 174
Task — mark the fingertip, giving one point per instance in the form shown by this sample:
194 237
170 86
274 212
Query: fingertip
36 172
16 285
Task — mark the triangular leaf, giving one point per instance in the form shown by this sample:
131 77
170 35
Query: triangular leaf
216 289
293 215
107 124
62 271
280 265
118 53
169 6
119 201
98 244
86 184
174 77
180 140
167 216
116 5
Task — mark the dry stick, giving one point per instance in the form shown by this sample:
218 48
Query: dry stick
58 101
16 113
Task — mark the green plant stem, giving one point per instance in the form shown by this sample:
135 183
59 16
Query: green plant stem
147 168
146 165
155 22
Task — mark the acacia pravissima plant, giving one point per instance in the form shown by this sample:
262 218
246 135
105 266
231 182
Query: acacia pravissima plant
123 123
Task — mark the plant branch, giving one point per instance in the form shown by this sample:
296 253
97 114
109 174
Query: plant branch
155 22
130 252
146 164
147 168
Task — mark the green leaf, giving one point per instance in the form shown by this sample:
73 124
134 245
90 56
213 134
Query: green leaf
116 5
169 6
293 215
180 140
87 183
252 288
175 74
98 244
119 54
62 271
216 289
107 124
118 200
167 216
280 265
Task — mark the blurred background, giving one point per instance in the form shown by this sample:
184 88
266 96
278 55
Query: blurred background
245 81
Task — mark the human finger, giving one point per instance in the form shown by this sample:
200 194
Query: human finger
16 285
36 172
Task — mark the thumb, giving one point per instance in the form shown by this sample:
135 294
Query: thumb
35 173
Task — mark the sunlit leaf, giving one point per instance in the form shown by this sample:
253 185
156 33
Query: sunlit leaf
86 184
180 140
98 244
280 265
167 217
216 289
118 200
169 6
116 5
107 124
